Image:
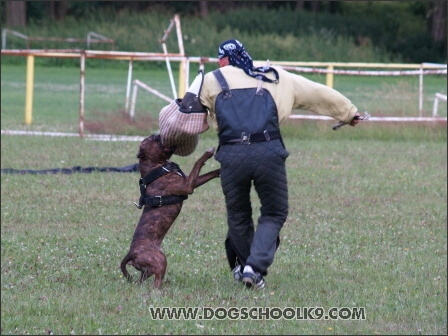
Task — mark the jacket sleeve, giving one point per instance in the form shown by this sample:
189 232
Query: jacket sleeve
321 99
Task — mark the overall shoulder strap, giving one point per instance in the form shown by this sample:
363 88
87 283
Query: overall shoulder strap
223 83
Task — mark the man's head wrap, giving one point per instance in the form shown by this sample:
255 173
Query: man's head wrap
238 57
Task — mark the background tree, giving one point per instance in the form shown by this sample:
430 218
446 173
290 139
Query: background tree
56 10
203 8
437 17
16 14
416 31
299 5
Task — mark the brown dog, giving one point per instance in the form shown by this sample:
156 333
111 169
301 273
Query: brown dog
163 188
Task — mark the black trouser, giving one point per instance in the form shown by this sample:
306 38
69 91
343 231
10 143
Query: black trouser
263 164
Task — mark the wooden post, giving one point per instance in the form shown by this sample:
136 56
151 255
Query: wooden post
29 89
128 86
81 94
330 76
183 66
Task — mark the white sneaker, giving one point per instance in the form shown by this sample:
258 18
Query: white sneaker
252 279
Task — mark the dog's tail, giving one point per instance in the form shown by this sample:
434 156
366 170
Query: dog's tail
123 264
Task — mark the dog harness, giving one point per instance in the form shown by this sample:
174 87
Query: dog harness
158 201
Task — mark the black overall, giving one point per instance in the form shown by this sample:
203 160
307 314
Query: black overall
251 150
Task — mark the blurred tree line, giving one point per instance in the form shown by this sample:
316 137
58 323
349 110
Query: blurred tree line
415 30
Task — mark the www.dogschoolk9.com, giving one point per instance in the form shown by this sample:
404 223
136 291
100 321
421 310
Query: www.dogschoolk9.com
257 313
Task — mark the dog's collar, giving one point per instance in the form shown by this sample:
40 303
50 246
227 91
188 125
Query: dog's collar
157 201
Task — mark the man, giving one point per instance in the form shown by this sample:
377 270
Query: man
247 105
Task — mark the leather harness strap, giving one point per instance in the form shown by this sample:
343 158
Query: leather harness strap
158 201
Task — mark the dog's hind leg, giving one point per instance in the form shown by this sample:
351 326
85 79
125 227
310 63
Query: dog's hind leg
145 274
159 268
158 278
153 262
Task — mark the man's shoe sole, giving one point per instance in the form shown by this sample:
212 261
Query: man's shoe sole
249 282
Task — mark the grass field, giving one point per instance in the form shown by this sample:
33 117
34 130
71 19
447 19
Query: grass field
367 228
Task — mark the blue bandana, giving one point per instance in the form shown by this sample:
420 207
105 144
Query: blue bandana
238 57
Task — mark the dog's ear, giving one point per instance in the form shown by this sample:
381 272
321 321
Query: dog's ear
141 153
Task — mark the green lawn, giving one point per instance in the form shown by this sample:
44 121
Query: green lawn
366 228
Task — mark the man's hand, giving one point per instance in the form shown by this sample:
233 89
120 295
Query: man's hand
356 119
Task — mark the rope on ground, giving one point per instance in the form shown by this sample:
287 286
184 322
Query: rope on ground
77 169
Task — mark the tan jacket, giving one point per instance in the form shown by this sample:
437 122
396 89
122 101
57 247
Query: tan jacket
292 92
